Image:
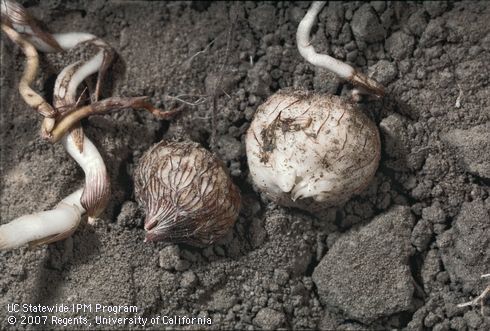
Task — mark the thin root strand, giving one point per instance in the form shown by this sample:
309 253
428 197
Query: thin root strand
479 300
103 107
32 98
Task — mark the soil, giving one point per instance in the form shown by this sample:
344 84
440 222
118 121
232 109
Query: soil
403 254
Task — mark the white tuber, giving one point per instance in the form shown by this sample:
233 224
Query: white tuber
311 151
47 226
340 68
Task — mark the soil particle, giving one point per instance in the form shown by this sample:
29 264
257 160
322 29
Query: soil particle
431 319
379 6
417 22
345 37
229 148
170 259
366 25
262 18
435 8
382 293
472 148
189 279
334 19
422 235
384 71
395 141
473 319
458 323
430 269
400 45
443 326
269 319
434 33
465 248
434 213
222 300
281 276
128 216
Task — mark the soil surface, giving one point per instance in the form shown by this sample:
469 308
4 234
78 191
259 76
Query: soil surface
403 254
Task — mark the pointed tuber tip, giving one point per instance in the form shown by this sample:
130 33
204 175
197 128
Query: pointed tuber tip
368 84
91 220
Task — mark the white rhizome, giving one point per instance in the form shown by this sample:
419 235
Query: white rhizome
62 122
59 223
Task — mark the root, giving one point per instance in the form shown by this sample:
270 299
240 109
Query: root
200 52
479 300
200 99
338 67
32 98
103 107
43 227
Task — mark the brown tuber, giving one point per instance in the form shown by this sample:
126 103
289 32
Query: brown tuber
186 193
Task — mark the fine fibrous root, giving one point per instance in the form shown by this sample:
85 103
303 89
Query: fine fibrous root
103 107
32 98
479 300
340 68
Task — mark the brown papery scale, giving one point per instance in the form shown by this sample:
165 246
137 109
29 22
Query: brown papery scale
186 193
